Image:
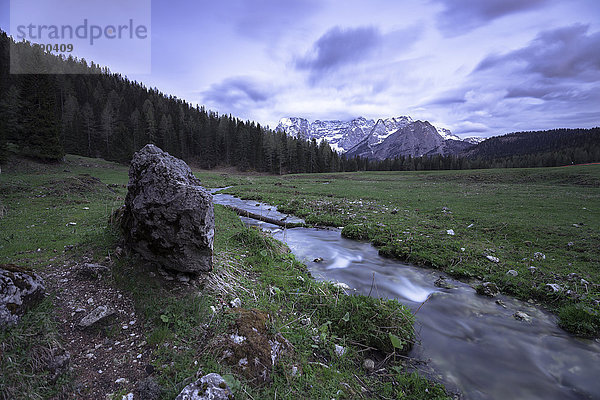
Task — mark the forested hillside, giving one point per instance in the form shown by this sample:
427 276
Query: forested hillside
96 113
540 148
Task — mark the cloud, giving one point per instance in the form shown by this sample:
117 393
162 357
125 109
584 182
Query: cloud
448 98
237 92
265 19
338 47
568 52
462 16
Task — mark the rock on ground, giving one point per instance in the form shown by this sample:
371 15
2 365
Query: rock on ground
20 289
168 217
487 289
209 387
98 315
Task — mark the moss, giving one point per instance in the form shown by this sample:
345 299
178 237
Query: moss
580 320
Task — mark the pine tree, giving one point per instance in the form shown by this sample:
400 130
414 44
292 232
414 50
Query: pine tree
41 127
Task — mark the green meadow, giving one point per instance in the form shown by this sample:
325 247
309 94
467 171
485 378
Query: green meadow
542 225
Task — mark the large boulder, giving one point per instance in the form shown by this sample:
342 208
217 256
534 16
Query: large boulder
20 289
168 217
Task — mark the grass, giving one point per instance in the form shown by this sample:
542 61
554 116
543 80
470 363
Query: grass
542 223
25 351
38 202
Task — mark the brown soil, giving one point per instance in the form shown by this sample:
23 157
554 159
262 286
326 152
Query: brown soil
99 355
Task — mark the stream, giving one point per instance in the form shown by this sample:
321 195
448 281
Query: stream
471 342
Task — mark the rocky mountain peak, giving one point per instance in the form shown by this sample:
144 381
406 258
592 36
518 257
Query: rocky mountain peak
417 137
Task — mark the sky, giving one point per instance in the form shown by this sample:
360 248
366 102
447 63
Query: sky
476 67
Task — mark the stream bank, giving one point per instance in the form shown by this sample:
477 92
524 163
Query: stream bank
473 342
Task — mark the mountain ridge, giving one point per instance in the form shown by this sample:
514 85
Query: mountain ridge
378 139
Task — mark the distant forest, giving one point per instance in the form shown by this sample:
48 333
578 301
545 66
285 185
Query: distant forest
95 113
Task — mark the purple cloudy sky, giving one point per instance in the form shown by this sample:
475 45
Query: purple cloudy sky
478 67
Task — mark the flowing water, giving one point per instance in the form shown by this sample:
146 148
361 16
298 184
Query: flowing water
471 342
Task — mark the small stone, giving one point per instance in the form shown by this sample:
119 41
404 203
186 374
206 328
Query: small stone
121 380
211 386
128 396
450 232
235 303
139 356
554 287
570 244
318 259
493 259
462 249
487 289
539 256
512 272
294 371
99 314
441 282
340 350
532 269
341 285
90 300
369 364
521 316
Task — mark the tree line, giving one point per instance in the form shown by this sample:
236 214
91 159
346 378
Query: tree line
95 113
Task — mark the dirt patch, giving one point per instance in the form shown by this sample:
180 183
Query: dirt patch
107 358
79 185
251 348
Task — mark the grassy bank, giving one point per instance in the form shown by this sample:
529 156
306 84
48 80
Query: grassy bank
56 216
542 224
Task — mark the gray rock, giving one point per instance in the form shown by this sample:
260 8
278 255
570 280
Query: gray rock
553 287
441 282
20 289
487 289
521 316
168 217
209 387
369 364
512 272
98 315
93 271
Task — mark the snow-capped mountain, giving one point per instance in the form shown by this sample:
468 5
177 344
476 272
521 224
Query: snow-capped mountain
474 139
384 138
446 134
